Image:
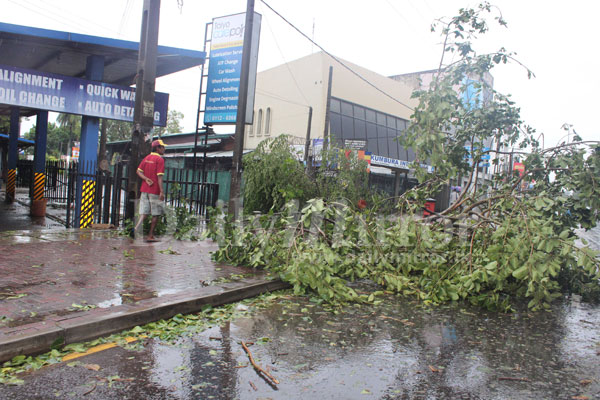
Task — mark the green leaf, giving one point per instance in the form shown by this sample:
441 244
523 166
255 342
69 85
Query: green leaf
58 343
521 272
492 265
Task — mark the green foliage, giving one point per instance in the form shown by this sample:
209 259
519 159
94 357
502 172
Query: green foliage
186 224
183 225
273 176
174 119
324 246
511 237
58 139
4 124
342 176
117 130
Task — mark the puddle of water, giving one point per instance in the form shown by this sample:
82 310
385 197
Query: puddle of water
115 301
396 351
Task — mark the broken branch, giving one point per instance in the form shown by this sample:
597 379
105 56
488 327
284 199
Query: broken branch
257 367
508 378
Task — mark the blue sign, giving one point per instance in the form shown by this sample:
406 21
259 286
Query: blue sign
225 69
484 156
222 93
46 91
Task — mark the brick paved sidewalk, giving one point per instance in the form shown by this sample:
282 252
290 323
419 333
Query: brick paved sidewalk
79 284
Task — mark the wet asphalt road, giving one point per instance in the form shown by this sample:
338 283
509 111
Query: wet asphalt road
397 350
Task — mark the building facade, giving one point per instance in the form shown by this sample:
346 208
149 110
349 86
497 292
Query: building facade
355 107
359 108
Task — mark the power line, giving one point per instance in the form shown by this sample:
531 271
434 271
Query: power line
275 96
125 17
337 59
60 17
399 14
286 63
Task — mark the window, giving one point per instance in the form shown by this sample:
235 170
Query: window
250 128
380 130
268 121
347 128
347 109
370 115
359 112
335 105
391 122
259 123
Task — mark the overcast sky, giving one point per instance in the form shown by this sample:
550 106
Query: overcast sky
557 40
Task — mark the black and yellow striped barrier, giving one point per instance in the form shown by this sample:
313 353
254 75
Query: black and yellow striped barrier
11 182
87 204
39 183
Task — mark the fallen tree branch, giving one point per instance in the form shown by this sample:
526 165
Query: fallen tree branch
508 378
257 367
90 391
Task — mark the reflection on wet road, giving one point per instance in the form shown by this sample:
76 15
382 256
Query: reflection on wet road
398 350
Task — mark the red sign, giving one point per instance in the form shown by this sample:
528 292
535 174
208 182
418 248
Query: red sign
519 167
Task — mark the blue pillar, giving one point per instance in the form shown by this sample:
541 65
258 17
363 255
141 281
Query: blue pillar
88 154
39 158
13 154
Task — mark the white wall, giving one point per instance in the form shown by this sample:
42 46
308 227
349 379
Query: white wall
289 89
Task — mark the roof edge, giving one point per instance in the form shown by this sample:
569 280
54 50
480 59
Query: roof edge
97 40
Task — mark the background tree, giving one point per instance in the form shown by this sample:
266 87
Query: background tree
174 119
112 130
71 124
58 140
273 176
4 124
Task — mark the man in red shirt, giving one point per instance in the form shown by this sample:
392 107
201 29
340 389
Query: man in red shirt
151 171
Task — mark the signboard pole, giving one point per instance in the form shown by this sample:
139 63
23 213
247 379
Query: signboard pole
13 154
143 114
88 154
39 158
238 149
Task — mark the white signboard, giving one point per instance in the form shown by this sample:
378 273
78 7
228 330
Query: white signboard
225 68
393 163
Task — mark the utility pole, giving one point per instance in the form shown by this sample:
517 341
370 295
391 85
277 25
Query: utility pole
143 113
327 107
307 143
240 124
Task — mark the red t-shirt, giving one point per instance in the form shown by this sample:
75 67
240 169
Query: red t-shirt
152 166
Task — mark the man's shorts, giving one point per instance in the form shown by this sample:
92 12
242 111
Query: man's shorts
150 204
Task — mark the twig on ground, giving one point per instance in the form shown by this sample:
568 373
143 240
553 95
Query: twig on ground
257 367
508 378
90 391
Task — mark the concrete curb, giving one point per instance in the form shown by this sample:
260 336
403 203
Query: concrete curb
89 326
